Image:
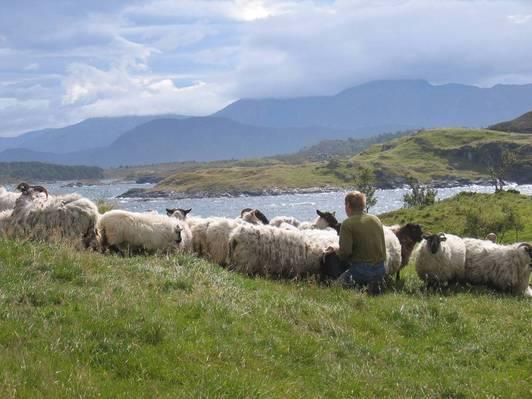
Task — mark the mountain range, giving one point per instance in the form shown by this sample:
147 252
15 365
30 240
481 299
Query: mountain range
262 127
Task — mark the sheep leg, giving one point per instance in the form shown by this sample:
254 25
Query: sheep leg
398 276
116 249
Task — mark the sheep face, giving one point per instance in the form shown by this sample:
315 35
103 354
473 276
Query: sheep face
178 237
528 249
26 189
326 217
253 216
434 241
23 188
178 213
414 231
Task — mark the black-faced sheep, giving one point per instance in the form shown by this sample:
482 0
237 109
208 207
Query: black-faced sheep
440 258
253 216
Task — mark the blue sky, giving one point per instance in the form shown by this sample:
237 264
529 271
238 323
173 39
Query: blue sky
62 61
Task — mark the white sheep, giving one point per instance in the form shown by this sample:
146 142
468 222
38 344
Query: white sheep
392 264
143 231
5 218
279 221
7 199
505 267
266 250
210 236
323 221
440 258
69 217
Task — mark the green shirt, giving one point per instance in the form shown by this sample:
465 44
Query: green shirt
362 239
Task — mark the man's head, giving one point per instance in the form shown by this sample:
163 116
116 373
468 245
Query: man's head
355 202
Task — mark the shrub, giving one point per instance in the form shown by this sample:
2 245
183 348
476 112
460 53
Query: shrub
421 195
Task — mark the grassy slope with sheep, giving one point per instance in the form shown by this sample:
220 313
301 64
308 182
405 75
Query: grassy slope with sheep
438 154
82 324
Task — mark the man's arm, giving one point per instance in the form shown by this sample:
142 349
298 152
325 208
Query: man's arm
346 242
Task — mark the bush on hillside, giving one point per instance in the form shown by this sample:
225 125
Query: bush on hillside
421 195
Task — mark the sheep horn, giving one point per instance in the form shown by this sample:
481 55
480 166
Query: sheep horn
261 216
40 189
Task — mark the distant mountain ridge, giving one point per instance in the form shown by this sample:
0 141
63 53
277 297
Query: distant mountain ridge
396 104
90 133
193 138
264 127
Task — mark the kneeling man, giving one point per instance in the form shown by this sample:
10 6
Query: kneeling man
362 247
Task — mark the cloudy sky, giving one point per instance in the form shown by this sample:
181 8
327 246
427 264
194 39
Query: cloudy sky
62 61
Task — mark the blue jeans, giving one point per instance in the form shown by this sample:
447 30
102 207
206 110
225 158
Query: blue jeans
362 273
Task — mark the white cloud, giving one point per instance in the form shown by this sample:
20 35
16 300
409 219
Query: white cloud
32 67
100 58
241 10
520 19
122 91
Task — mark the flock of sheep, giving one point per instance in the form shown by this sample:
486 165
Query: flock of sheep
253 244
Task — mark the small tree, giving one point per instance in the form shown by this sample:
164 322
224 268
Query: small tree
498 168
513 220
421 195
365 183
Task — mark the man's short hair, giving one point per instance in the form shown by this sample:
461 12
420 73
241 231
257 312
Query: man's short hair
356 200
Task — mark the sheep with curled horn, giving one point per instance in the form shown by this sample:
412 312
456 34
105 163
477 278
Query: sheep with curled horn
67 217
27 189
178 213
503 267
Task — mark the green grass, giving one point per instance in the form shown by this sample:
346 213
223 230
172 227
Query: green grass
431 155
449 215
243 178
79 324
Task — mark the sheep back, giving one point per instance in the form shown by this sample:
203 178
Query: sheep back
504 267
144 231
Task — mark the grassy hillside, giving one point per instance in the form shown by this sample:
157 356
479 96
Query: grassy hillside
78 324
450 215
441 155
523 124
15 171
250 178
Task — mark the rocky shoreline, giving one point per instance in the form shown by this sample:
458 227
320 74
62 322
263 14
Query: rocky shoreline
179 195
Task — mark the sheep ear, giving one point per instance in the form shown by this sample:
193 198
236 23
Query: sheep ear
320 213
334 213
169 211
187 211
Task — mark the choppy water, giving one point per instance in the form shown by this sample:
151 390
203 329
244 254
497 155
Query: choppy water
301 206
